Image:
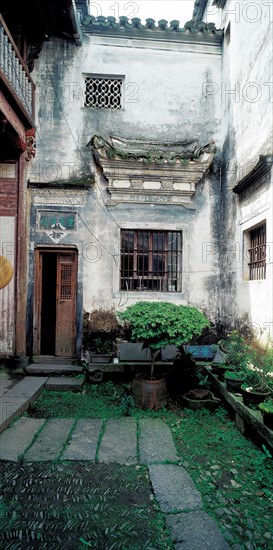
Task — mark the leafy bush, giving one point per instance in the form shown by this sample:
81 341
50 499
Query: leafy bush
255 360
158 324
237 350
260 368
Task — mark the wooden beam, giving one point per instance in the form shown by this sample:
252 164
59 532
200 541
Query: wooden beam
12 117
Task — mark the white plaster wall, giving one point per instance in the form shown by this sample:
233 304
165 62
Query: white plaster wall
167 103
256 297
247 132
163 98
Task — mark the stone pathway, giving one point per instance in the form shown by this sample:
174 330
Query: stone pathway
16 398
124 441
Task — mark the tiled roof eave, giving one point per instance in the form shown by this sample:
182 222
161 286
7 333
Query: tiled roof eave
262 168
190 32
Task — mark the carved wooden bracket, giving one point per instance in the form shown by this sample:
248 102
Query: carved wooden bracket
30 149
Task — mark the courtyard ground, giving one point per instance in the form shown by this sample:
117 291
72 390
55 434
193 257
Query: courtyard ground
65 504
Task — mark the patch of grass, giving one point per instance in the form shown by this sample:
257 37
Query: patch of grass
105 400
234 476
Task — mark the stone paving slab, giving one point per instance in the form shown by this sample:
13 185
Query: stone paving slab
155 442
16 400
195 531
174 488
119 442
84 441
5 385
59 383
28 387
17 437
10 407
50 441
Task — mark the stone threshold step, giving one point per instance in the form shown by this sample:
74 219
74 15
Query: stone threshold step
57 383
52 359
48 369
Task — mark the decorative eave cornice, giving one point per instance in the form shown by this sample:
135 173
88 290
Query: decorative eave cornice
152 171
262 168
81 183
149 151
109 26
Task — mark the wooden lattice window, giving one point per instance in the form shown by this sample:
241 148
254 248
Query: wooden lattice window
257 253
66 282
103 93
151 260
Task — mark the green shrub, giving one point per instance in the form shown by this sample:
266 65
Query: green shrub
158 324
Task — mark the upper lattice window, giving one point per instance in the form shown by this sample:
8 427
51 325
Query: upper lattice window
103 93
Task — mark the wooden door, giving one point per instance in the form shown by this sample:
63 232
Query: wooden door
55 302
66 304
37 302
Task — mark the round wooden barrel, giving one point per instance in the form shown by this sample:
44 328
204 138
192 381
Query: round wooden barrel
149 394
6 271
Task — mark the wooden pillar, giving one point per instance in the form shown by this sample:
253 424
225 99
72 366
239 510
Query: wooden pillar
21 263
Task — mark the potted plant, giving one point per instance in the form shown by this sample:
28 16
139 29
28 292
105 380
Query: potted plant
258 384
100 330
234 380
254 394
157 324
237 351
220 369
101 350
267 412
237 357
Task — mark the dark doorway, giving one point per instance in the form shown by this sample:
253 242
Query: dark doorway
55 291
48 313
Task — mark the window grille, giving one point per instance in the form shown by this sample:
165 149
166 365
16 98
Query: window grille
66 282
257 253
151 260
103 93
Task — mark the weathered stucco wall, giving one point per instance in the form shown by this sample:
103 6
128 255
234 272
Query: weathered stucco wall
246 93
163 101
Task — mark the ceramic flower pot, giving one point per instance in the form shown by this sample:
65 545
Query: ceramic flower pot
252 396
149 394
199 398
220 370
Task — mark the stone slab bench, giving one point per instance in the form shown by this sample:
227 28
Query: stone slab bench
132 358
248 421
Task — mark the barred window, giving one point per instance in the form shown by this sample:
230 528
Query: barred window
151 260
103 93
257 253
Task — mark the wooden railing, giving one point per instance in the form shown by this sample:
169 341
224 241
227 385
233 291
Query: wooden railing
14 72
